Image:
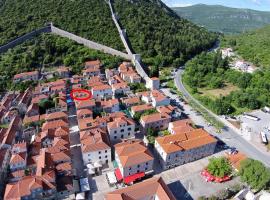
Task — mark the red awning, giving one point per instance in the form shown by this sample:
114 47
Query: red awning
118 174
133 177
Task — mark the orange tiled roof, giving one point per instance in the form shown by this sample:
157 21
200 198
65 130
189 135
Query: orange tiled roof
93 63
120 121
235 159
132 100
17 76
17 158
94 140
56 115
185 140
132 152
101 87
141 108
155 117
143 190
24 187
54 124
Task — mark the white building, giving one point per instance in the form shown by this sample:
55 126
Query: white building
95 147
121 128
133 157
185 147
102 91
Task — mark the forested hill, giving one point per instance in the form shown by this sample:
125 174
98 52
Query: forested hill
155 30
252 46
159 34
224 19
88 18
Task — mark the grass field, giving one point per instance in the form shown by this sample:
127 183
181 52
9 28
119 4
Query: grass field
216 93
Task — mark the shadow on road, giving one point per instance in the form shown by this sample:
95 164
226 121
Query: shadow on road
179 191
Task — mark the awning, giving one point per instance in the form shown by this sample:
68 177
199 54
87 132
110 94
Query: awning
133 177
118 174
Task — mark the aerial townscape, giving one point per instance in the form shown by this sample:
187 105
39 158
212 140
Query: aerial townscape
128 100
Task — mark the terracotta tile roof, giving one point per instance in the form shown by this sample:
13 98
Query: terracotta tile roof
101 87
27 120
91 69
86 123
21 75
9 135
132 152
19 145
143 190
131 101
24 187
94 140
109 103
56 115
61 131
93 63
64 167
85 104
61 156
166 109
181 123
18 158
141 108
39 98
158 95
117 86
54 124
155 117
17 174
120 121
185 140
84 112
235 159
182 126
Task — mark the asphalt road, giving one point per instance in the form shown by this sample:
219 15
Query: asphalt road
228 135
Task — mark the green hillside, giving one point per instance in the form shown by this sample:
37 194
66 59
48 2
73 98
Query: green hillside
158 34
224 19
90 19
155 31
252 46
47 50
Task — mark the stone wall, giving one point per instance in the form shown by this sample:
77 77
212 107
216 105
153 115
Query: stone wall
22 39
122 32
90 44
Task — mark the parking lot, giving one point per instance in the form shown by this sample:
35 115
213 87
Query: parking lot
251 128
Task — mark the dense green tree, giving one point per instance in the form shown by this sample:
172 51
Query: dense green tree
156 32
45 104
90 19
254 173
219 167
